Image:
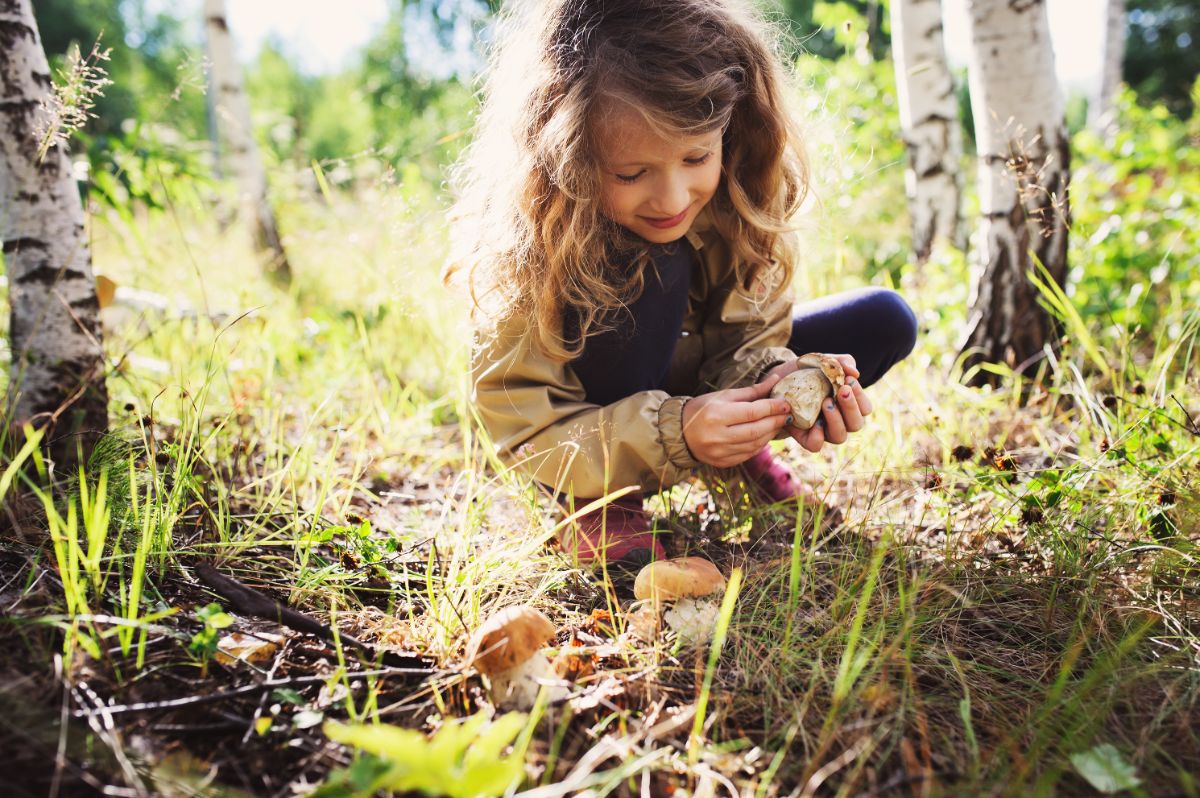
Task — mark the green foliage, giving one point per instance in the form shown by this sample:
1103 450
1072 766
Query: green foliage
148 51
831 29
851 116
1135 198
204 642
461 759
1162 52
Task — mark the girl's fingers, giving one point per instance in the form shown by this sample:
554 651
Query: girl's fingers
860 396
748 412
752 431
811 439
835 427
848 365
852 415
751 392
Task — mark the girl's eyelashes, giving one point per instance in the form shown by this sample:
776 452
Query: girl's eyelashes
699 160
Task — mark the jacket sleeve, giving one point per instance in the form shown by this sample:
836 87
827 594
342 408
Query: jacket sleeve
744 335
536 414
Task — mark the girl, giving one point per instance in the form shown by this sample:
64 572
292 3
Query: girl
624 223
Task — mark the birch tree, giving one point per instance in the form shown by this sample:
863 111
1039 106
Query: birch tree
1100 113
929 123
1024 160
236 134
56 376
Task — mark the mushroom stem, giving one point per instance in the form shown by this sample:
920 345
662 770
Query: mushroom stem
518 687
693 619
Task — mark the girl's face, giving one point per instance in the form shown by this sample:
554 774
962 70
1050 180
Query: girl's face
651 186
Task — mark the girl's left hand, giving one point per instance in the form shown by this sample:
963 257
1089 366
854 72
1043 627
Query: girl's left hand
842 414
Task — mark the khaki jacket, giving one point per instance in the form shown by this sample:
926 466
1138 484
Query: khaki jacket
535 412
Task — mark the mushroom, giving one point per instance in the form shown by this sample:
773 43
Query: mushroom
805 388
688 587
507 650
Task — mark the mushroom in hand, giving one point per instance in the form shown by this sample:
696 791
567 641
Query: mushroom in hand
689 588
806 388
507 650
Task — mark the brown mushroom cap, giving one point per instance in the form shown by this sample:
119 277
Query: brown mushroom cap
829 365
507 639
806 388
682 577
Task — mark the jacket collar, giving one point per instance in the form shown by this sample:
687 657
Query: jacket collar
700 229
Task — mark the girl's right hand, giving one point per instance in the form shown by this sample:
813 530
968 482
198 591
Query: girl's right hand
727 428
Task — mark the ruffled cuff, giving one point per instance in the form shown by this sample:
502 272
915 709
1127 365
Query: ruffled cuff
670 433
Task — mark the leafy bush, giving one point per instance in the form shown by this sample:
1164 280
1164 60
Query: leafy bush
1135 243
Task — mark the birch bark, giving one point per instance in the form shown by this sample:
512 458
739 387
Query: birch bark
56 378
1024 161
1100 113
236 133
929 123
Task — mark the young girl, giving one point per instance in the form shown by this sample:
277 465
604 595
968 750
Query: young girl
624 221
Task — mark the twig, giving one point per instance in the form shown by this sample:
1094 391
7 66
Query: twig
248 601
176 703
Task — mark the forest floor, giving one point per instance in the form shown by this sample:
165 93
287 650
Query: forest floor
1007 601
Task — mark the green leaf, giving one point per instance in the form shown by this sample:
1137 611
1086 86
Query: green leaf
461 760
389 742
1105 769
287 695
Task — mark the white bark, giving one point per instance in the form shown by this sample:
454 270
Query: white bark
929 123
232 113
1100 112
1024 161
57 371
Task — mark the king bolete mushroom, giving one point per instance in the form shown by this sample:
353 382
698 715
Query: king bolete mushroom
805 388
507 650
686 590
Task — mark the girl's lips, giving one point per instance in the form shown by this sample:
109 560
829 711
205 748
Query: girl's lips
663 224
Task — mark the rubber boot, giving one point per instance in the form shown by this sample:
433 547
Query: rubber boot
620 532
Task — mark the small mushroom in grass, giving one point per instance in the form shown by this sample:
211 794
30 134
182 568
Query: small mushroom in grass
507 650
686 590
806 388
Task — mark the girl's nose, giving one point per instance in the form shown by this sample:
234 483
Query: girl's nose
673 196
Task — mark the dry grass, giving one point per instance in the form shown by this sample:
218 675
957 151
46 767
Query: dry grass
1010 584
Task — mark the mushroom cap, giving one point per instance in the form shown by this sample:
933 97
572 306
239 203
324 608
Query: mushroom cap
829 365
508 639
682 577
805 388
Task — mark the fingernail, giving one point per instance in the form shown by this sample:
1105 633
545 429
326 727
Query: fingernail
852 381
829 405
821 421
787 422
846 393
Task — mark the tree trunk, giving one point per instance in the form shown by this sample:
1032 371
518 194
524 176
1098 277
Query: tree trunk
237 134
56 379
929 121
1024 161
1100 112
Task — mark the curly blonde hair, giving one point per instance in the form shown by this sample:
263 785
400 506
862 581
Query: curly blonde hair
528 228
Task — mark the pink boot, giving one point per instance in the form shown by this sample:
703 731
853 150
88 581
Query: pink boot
619 531
773 482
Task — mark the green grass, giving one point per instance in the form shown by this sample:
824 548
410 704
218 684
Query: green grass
1014 584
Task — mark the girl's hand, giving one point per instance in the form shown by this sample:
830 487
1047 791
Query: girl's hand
726 428
840 415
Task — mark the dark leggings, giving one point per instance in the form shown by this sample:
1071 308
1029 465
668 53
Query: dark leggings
874 325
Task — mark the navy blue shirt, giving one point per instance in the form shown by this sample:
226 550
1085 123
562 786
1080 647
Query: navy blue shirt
635 354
